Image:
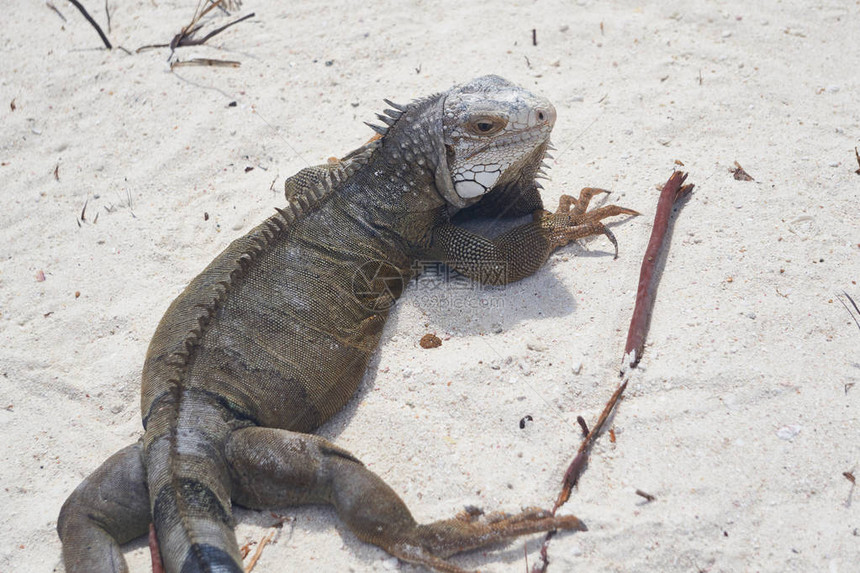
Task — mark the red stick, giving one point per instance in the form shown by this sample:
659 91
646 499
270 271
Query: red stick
672 191
154 553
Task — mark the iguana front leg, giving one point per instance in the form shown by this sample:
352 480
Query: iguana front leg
273 467
520 252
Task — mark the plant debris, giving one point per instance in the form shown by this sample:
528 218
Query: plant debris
187 35
671 193
583 425
854 304
205 62
739 173
94 24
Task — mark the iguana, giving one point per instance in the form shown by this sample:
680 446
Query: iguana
274 336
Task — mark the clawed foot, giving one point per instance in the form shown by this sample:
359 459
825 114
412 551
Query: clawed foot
572 220
471 529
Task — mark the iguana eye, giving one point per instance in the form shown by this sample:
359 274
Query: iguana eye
486 125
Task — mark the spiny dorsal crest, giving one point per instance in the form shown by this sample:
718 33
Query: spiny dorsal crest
392 114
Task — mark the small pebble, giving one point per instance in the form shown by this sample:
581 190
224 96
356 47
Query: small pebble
730 401
726 34
430 341
788 433
576 367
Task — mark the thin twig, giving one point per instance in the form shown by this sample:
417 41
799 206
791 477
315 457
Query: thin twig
50 5
206 62
93 22
577 466
854 304
217 31
259 552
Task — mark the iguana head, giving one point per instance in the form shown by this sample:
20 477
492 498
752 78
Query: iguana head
493 131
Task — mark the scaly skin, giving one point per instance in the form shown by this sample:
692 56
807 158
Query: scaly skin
274 336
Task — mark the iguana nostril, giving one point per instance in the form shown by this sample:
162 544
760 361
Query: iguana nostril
546 114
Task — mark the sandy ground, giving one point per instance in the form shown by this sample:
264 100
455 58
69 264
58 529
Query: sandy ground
744 415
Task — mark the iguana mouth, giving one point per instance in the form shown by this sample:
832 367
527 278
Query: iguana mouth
507 142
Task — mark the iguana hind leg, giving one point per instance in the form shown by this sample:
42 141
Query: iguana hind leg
110 507
276 467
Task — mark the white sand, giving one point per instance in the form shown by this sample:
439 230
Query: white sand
743 417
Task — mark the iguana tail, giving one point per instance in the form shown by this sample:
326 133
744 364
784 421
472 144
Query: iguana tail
189 484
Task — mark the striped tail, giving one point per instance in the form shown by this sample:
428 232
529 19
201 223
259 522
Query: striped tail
189 484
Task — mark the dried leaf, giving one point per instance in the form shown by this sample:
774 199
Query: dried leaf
740 174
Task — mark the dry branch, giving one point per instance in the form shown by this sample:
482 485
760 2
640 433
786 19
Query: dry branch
186 36
672 191
259 552
93 22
